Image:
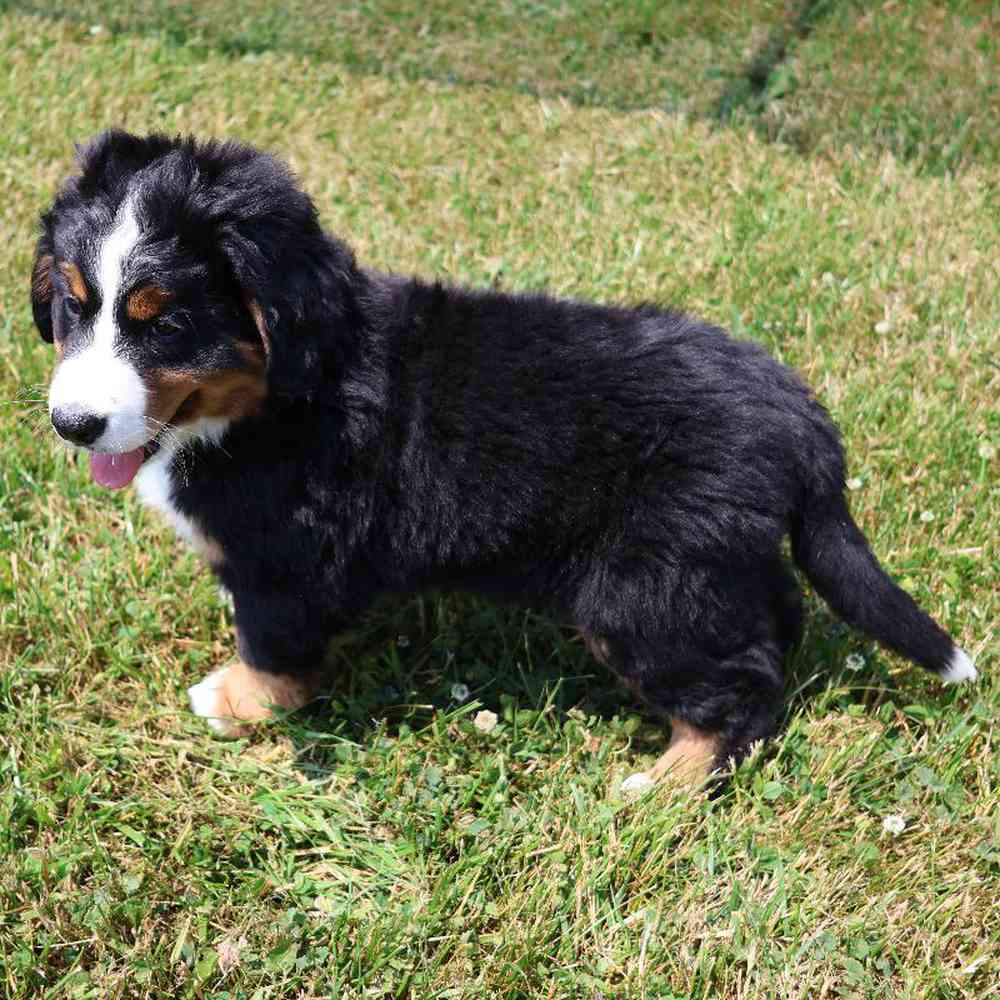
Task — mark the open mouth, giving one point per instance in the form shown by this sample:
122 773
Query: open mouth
116 470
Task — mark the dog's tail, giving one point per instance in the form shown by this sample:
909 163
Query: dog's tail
831 550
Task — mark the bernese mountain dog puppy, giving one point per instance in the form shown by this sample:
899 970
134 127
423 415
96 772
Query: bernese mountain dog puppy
325 434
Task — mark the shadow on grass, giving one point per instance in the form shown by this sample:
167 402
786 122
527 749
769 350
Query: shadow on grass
670 56
418 663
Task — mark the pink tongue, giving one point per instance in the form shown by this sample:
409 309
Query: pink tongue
115 471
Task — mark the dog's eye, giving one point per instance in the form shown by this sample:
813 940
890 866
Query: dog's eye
72 306
168 327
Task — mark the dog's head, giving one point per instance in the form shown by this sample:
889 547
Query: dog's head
185 286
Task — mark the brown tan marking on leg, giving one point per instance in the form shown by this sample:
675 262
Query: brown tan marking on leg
687 761
238 694
690 754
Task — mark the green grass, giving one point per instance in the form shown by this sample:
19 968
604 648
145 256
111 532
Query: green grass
378 844
920 79
674 55
817 75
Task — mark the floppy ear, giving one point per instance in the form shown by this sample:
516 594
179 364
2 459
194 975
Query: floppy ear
298 286
41 288
300 296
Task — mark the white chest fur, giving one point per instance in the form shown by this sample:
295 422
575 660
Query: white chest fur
156 486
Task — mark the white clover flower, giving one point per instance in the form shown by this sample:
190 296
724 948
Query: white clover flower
894 825
855 661
96 29
828 278
927 516
460 692
485 721
987 451
882 327
973 966
854 483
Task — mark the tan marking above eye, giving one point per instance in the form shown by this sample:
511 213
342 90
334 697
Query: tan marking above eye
77 286
147 302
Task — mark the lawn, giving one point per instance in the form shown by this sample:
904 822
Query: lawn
379 843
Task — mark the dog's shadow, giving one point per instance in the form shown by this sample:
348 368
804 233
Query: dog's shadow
411 662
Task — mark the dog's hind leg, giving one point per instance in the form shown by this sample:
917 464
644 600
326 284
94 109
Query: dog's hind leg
718 709
710 662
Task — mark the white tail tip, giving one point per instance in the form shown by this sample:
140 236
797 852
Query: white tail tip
959 669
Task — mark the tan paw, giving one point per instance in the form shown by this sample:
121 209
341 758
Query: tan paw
233 696
688 761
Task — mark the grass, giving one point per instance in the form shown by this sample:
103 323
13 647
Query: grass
812 74
672 54
379 844
855 81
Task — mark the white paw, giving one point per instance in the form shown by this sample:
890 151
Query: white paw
961 668
636 785
204 699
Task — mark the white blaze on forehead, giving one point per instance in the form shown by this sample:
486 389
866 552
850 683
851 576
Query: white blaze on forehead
115 251
96 380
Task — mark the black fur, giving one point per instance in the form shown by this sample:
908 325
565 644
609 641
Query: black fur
633 470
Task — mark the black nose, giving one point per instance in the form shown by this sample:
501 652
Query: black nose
78 426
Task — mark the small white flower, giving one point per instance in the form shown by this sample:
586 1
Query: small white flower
882 327
973 966
229 950
485 721
855 661
854 483
460 692
894 825
987 451
828 278
402 641
96 29
927 516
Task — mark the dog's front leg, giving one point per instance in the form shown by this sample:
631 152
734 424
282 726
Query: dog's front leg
281 647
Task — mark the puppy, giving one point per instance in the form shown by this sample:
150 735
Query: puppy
325 434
